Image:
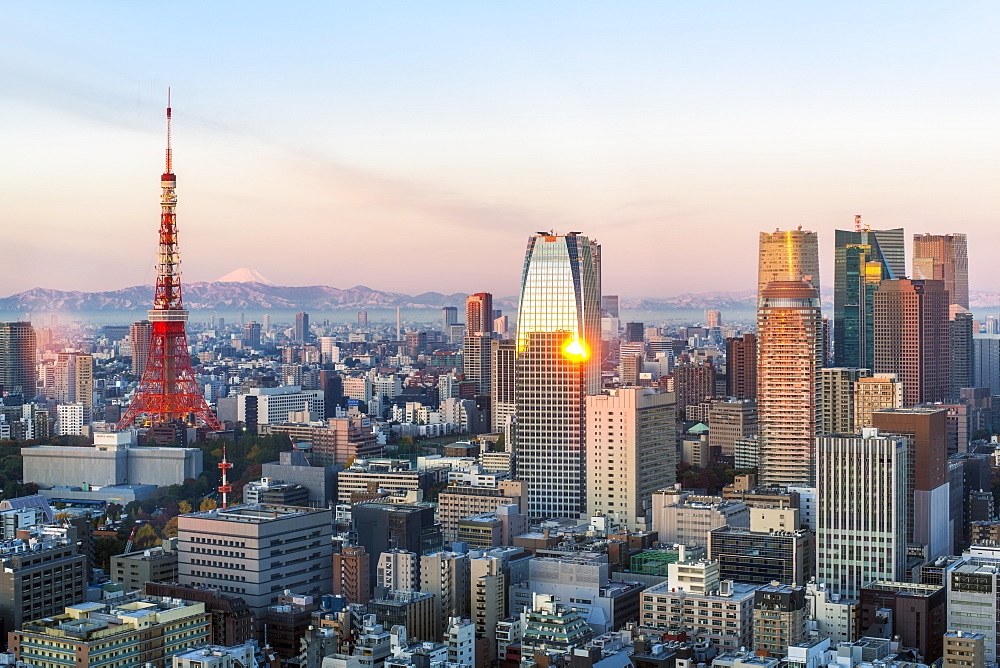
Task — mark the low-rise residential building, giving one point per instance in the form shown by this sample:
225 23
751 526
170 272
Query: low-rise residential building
128 633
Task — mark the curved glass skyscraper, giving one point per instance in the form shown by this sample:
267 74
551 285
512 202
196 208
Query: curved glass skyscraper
557 365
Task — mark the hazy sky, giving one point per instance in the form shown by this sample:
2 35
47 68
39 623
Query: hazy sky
414 146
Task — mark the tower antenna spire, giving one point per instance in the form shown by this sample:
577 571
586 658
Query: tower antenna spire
170 148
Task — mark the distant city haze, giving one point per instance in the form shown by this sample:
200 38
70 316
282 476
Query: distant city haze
414 147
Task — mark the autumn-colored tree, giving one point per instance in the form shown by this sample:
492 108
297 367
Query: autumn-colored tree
170 529
184 507
146 537
208 504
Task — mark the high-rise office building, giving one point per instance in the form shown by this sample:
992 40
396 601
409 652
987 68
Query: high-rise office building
301 332
479 313
912 338
557 366
611 305
861 510
927 491
837 386
713 318
635 332
741 367
789 358
139 335
986 368
17 358
962 353
251 335
861 260
943 257
502 405
449 317
631 453
788 255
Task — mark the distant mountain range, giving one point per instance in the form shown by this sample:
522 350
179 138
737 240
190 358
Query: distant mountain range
255 296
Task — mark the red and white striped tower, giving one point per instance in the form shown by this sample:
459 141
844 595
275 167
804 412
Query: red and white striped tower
168 392
225 489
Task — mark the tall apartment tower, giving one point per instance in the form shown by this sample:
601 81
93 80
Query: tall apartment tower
789 358
251 335
837 385
139 334
352 574
17 358
479 313
943 257
476 358
502 405
875 393
741 367
301 332
861 260
557 366
631 453
912 338
861 510
788 255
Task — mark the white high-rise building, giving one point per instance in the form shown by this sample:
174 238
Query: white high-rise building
631 453
557 366
69 419
861 520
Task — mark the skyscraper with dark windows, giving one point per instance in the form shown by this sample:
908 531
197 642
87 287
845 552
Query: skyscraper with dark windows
251 335
301 332
139 335
741 366
557 365
861 260
17 358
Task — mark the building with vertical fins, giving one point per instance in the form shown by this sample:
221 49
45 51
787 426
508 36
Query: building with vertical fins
789 358
861 259
557 365
861 510
943 257
788 255
168 393
912 338
502 407
18 374
741 367
962 352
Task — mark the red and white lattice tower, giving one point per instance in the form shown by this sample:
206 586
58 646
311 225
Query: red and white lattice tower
168 392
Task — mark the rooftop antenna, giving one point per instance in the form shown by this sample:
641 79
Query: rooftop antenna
225 488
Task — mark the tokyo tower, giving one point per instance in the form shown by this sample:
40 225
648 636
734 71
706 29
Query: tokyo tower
168 392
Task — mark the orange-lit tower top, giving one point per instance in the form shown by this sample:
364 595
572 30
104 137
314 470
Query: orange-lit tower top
168 392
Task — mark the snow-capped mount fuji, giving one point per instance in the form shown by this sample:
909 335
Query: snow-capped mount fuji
244 275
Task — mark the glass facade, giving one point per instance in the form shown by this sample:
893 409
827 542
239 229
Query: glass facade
559 312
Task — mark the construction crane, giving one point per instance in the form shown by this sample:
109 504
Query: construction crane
131 536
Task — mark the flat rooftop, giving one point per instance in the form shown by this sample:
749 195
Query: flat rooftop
254 513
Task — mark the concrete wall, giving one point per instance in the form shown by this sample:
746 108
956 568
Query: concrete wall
55 466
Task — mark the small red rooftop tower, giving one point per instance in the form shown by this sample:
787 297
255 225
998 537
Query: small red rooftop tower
225 489
168 392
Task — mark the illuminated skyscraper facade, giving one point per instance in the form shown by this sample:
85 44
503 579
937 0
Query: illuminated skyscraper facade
789 358
943 257
861 259
557 365
788 255
479 313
